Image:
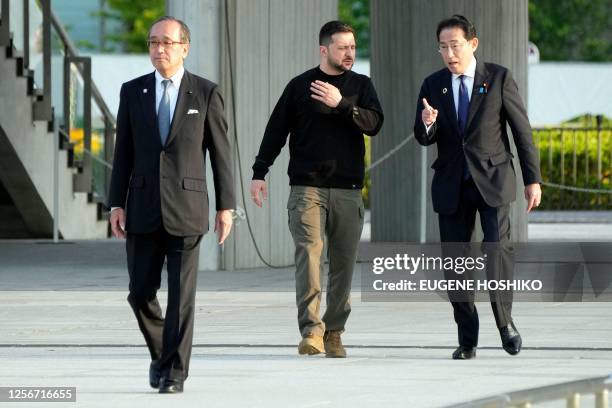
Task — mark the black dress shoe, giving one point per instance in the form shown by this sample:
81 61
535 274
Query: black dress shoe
154 374
511 339
168 386
464 353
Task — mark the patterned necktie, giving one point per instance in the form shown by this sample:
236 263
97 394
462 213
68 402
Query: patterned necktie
464 105
163 113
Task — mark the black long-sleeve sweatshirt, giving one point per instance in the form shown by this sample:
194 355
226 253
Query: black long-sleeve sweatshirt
326 146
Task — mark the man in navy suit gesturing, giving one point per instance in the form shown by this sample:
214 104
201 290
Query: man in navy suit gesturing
465 109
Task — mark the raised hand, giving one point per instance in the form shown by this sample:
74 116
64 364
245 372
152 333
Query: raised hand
326 93
429 114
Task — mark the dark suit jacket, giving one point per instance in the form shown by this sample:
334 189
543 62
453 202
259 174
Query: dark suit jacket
485 147
167 184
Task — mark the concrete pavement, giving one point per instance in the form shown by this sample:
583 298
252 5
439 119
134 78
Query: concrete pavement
65 322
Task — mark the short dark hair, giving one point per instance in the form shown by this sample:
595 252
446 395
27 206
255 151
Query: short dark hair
332 27
185 33
457 21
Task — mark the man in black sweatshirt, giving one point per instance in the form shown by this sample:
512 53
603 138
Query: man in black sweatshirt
326 110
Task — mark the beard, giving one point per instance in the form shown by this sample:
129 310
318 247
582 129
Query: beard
338 65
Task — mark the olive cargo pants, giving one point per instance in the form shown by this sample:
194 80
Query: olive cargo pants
315 214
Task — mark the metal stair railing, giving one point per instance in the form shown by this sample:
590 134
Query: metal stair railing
92 176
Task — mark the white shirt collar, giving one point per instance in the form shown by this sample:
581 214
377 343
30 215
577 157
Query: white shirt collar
176 78
470 71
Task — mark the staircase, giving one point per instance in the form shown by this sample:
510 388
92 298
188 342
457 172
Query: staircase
39 176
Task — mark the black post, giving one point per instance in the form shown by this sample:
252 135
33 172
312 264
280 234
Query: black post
83 180
109 147
5 31
42 106
26 34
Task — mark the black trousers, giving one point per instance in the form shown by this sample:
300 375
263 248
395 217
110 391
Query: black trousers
458 228
169 339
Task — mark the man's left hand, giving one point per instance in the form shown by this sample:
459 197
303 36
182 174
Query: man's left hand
326 93
223 225
533 195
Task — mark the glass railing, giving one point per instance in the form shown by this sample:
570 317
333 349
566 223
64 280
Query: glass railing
16 25
74 120
35 42
58 54
100 168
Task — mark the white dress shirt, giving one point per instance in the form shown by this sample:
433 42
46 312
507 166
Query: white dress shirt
469 74
173 89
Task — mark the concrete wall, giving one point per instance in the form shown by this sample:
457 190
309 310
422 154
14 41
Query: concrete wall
203 19
403 52
270 42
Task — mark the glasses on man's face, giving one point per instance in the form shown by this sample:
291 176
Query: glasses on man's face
455 47
154 44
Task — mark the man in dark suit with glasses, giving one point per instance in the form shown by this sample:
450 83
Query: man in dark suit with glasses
465 109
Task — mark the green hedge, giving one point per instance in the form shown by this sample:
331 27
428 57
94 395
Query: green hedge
549 142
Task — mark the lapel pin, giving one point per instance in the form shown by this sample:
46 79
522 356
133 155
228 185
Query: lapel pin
189 92
444 90
144 90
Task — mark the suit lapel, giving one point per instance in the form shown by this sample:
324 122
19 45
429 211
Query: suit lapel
448 102
480 81
183 103
147 98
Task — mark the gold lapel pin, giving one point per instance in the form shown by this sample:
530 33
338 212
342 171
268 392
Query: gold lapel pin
444 90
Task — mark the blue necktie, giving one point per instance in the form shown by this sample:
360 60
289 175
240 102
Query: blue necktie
462 115
163 113
464 105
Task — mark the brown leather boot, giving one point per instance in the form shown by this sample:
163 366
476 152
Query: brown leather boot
311 344
333 345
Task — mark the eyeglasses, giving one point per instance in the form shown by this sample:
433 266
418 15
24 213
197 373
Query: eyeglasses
165 44
455 47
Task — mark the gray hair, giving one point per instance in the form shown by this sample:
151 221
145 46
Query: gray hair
185 33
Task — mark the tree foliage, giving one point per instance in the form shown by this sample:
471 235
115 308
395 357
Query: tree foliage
571 30
136 17
356 13
563 30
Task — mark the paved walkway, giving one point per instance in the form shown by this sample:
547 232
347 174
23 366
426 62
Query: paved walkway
65 322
